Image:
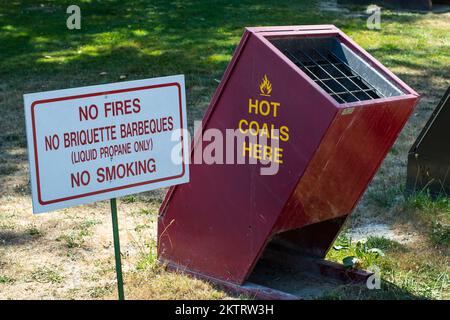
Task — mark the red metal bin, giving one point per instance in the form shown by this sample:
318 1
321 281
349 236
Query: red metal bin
343 111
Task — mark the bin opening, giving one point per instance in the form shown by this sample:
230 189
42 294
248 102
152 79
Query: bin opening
344 75
295 279
293 262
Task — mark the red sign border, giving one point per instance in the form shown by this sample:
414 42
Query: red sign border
84 195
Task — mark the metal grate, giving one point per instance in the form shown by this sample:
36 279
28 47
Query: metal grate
334 75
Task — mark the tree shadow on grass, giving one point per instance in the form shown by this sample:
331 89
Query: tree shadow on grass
142 39
17 238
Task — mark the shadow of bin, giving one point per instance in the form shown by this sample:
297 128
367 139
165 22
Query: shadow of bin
429 157
337 111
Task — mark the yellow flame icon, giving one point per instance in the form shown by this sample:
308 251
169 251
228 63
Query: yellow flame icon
265 87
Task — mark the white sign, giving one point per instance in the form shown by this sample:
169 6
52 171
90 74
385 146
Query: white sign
100 142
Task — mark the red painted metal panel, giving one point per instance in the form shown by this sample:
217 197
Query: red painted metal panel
231 216
345 163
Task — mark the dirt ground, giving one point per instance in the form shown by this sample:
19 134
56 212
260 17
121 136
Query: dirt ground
68 254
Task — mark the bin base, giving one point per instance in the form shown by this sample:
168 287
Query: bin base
274 284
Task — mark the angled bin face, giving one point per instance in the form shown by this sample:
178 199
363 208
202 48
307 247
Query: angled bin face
429 156
338 112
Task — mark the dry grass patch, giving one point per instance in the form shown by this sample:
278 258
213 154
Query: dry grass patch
158 284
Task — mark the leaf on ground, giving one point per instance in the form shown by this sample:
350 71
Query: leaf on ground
377 251
350 262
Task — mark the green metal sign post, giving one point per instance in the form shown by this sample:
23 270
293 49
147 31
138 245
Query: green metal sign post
115 225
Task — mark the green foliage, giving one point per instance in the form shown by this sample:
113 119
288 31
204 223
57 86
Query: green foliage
343 241
129 199
361 254
384 244
33 231
148 212
425 203
7 169
350 261
100 291
434 213
6 280
440 235
154 38
149 259
404 274
71 240
394 151
385 196
76 237
86 225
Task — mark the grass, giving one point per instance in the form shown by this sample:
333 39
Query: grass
405 273
46 275
148 259
34 231
385 196
366 254
76 238
440 235
6 280
129 199
387 245
100 291
159 284
418 270
8 169
426 204
433 214
147 211
144 39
